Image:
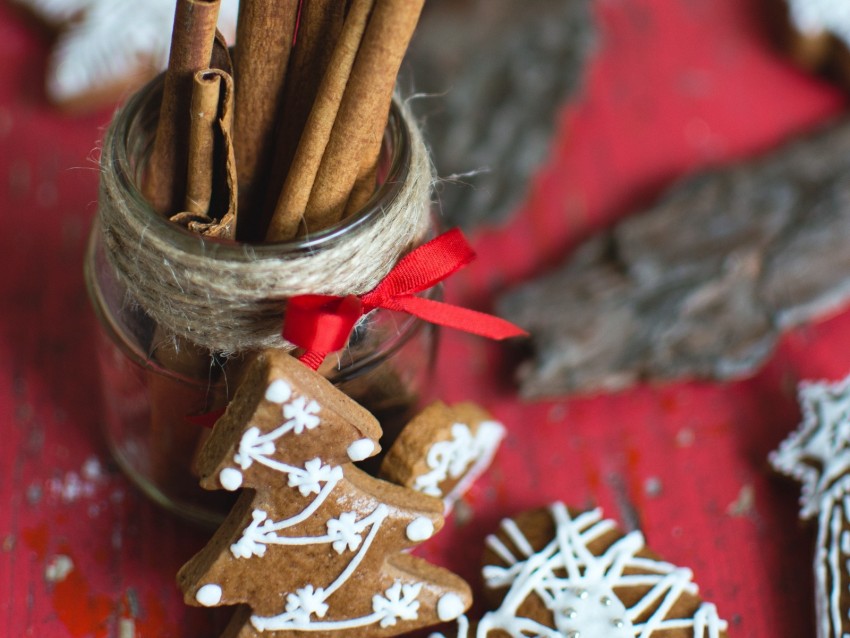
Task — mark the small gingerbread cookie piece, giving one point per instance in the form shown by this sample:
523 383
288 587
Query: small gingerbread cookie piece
555 572
316 547
818 455
443 450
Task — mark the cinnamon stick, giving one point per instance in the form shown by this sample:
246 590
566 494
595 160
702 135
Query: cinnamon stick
364 109
206 94
298 184
191 50
212 165
319 26
264 36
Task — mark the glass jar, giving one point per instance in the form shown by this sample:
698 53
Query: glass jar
155 396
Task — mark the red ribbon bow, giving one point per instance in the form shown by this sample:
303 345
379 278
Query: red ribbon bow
321 324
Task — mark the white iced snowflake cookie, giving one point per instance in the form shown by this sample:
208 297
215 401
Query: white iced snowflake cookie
818 455
107 48
556 573
443 450
316 544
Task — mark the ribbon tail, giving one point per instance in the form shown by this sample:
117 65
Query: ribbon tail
464 319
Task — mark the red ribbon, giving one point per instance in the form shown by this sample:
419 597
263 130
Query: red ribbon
321 324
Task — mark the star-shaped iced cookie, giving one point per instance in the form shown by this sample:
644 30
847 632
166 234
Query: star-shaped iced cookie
818 453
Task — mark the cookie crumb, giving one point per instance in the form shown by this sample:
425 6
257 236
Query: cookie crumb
744 504
58 568
685 437
126 628
463 514
653 487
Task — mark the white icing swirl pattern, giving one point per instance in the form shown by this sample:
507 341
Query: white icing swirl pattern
465 456
578 586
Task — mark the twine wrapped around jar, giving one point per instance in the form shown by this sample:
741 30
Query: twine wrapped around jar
230 297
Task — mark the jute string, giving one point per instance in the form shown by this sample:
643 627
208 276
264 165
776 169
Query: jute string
231 298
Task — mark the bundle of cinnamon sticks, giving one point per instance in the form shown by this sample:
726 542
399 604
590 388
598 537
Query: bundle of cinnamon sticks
283 140
276 137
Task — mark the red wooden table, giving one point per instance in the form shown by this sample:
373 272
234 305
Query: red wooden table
676 85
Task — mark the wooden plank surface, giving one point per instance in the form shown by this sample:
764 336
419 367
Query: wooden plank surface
676 85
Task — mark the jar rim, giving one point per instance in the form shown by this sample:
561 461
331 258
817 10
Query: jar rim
128 155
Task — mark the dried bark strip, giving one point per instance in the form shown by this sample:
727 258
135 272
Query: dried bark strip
701 284
496 76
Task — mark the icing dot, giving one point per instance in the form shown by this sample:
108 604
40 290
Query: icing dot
420 529
230 478
278 391
209 595
449 607
361 449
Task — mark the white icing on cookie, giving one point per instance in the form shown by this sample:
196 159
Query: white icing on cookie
464 455
209 595
230 479
577 587
421 529
818 455
361 449
300 414
279 391
351 533
449 607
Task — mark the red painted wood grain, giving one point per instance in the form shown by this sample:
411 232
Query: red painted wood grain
676 85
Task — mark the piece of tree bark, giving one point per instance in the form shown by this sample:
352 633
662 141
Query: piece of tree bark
497 72
701 284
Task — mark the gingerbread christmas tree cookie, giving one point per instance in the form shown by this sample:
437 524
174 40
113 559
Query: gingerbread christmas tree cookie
818 455
443 449
556 573
316 546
